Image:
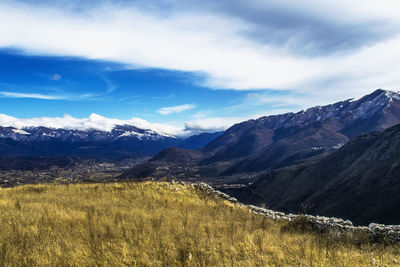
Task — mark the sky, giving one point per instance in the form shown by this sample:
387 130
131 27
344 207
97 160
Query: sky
184 67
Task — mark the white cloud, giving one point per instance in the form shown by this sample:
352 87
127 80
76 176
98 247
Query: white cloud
214 124
94 121
186 41
175 109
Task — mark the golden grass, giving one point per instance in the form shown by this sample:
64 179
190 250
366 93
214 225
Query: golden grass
156 224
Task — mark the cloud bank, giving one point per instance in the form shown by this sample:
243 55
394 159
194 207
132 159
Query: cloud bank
211 124
94 121
98 122
305 46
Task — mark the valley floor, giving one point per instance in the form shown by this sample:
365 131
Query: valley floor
159 224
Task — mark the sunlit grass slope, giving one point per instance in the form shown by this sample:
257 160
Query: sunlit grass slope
156 224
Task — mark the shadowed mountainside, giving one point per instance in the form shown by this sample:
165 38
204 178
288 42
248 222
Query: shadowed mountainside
360 182
177 155
198 141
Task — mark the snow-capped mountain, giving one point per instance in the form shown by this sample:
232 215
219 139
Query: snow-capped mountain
119 142
44 133
347 112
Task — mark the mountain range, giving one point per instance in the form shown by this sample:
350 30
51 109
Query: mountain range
277 141
121 142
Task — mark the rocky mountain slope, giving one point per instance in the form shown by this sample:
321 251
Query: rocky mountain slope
360 182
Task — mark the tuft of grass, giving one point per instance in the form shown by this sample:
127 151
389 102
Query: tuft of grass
159 224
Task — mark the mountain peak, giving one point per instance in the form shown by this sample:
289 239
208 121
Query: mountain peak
379 93
393 95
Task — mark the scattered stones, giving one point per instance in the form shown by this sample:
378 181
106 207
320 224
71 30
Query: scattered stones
233 199
389 233
372 261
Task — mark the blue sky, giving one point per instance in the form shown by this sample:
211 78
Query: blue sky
37 86
191 65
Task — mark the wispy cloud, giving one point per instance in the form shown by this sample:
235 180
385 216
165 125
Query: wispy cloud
110 86
32 95
175 109
85 96
56 77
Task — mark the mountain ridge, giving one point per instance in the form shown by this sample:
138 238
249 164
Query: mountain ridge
270 141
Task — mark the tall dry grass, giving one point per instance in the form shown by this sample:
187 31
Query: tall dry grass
157 224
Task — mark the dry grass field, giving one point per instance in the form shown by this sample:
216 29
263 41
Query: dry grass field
158 224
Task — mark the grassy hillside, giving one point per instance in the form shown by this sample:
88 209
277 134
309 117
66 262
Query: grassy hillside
158 224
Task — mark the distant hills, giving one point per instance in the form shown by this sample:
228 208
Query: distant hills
121 142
